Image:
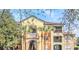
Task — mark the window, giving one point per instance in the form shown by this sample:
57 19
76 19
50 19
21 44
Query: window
57 47
57 38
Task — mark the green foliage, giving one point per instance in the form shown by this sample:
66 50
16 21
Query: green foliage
46 28
8 29
77 47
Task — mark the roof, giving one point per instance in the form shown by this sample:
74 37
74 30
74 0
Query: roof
32 16
66 33
45 22
50 23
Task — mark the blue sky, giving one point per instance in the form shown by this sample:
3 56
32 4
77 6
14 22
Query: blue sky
55 16
44 14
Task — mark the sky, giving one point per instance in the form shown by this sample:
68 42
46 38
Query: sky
43 14
53 15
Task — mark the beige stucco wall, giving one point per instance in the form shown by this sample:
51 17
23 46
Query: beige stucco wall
36 22
71 43
40 41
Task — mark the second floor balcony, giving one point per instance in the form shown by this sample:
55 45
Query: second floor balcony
31 35
58 28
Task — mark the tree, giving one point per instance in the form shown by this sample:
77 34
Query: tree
8 29
69 18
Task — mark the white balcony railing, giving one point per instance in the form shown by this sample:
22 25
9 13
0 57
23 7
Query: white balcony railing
31 35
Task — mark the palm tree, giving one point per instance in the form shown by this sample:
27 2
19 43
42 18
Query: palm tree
45 29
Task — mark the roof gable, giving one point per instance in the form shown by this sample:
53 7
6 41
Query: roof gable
45 22
33 17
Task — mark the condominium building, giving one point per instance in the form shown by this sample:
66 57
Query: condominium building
42 35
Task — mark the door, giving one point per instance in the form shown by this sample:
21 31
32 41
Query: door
32 45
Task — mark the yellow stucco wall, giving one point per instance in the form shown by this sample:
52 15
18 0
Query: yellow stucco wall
35 21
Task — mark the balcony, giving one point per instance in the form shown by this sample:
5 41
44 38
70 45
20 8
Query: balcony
31 35
58 31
